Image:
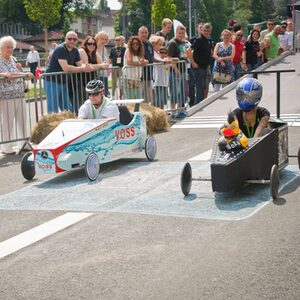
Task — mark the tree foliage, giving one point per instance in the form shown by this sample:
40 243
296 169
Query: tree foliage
46 12
12 10
163 9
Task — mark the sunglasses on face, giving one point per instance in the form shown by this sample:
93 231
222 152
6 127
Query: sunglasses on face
239 35
163 52
271 24
135 43
95 94
91 44
283 27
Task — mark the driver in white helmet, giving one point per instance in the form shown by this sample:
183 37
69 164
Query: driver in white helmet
97 106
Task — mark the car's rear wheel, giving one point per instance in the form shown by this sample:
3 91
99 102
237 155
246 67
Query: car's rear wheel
27 166
274 181
186 179
92 166
150 148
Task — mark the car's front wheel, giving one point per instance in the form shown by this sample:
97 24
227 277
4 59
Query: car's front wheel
150 148
92 166
27 166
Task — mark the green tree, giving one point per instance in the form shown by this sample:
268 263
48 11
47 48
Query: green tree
12 10
102 4
46 12
134 14
242 12
163 9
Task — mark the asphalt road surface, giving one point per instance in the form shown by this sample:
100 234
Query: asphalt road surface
133 235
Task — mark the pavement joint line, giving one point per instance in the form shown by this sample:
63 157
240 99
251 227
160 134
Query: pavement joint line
40 232
202 156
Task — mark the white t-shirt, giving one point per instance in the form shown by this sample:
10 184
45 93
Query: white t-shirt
160 72
284 40
108 109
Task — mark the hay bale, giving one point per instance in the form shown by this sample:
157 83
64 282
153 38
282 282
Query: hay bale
156 118
47 123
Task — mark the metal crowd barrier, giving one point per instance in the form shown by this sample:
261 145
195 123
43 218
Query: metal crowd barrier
161 85
17 114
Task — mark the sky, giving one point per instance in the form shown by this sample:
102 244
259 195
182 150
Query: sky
114 4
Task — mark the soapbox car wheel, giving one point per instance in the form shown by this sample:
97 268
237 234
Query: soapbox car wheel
186 179
150 148
27 166
92 166
274 181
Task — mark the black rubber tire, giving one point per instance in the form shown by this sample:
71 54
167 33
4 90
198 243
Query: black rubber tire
92 166
27 166
274 181
186 179
150 148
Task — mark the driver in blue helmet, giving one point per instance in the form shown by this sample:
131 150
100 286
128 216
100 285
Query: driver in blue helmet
253 119
97 106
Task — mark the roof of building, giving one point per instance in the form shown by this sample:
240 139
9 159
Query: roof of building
52 36
24 46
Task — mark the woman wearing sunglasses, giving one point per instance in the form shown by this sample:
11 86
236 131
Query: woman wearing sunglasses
133 61
88 55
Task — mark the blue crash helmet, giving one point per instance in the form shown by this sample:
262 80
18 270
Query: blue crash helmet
248 93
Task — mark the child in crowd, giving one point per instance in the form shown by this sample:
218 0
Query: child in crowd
160 77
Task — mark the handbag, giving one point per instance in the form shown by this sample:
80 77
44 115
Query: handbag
222 77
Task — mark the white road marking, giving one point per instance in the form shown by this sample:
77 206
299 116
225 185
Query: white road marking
35 234
203 156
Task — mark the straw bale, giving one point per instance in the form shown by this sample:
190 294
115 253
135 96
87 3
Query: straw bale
47 123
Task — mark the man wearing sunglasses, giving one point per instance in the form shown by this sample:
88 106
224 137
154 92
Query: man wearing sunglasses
65 58
97 106
284 38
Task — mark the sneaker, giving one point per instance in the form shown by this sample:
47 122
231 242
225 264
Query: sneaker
181 115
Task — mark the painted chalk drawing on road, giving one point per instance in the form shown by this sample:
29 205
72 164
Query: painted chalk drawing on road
143 188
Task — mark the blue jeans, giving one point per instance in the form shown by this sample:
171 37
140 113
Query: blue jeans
57 96
192 84
237 70
200 78
177 88
161 94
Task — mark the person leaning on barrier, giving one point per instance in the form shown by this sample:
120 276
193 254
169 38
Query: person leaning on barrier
97 106
88 55
253 120
65 58
12 105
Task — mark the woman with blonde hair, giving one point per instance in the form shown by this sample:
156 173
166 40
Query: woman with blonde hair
224 53
102 39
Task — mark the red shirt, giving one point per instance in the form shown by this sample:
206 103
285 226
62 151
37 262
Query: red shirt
239 45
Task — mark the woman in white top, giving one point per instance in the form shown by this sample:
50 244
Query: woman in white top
12 105
132 70
101 40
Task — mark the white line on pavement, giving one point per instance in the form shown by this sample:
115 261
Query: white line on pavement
203 156
35 234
